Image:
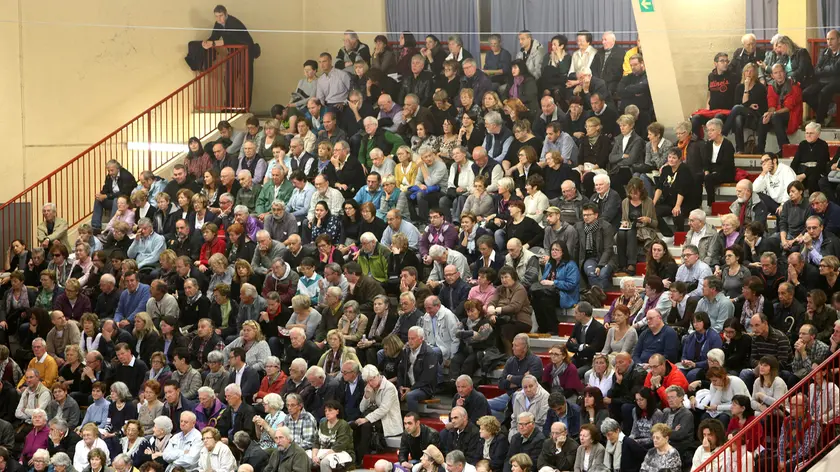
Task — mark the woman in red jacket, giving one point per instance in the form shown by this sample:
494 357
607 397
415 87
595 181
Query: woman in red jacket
213 244
743 417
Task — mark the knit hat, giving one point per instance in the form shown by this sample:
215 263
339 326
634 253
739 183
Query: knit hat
434 454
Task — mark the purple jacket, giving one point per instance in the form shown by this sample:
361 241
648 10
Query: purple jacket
569 379
252 225
446 236
33 442
73 312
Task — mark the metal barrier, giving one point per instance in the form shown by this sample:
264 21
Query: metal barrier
794 431
147 142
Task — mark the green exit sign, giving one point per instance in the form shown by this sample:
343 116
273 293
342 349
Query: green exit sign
646 6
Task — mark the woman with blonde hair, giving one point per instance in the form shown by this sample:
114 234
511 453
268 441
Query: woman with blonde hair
71 372
272 130
337 354
751 103
133 437
306 135
252 340
147 336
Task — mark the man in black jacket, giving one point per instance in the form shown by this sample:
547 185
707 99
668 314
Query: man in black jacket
118 182
588 337
628 379
351 390
184 242
417 375
470 399
608 64
245 377
820 93
300 347
595 236
62 438
175 403
421 82
415 438
528 440
559 451
238 416
326 388
252 453
634 89
460 434
229 31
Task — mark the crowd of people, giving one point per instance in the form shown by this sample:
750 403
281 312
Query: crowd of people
297 291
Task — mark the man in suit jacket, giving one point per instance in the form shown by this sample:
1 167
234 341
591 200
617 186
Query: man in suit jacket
608 64
52 228
245 377
351 390
417 374
588 337
818 243
238 416
471 399
326 388
118 182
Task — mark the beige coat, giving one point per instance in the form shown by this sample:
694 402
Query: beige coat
386 404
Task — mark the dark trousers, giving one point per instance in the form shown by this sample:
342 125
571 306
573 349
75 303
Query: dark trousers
697 122
736 122
465 361
419 208
361 439
819 97
628 247
664 210
779 124
545 303
712 181
769 204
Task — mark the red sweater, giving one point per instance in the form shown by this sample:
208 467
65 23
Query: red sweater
754 437
218 246
674 377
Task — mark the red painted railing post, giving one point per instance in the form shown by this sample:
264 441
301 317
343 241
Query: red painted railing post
247 81
149 136
49 190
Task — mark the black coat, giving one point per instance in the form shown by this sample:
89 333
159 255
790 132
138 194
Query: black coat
106 304
467 441
351 401
611 70
190 247
250 383
596 336
425 369
244 421
9 398
498 451
132 376
532 447
254 456
412 448
423 86
475 403
725 165
635 90
125 181
67 445
309 352
152 343
328 391
216 317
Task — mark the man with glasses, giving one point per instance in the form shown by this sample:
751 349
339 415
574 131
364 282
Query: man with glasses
663 374
300 422
527 440
721 93
818 243
808 351
693 270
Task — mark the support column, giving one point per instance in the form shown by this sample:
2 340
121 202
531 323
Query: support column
798 20
679 41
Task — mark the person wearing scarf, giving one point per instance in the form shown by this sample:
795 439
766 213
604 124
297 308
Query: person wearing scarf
653 300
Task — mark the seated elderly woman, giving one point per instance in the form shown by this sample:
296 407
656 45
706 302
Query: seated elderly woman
730 232
718 159
638 225
655 298
590 453
337 354
662 457
352 324
628 150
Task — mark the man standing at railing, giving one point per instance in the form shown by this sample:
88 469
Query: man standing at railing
799 435
229 31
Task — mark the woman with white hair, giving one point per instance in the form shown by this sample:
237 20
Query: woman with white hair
748 53
215 455
384 403
61 462
812 158
273 419
152 447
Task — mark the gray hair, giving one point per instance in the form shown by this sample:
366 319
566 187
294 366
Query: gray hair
61 459
284 430
603 178
437 251
296 397
299 362
123 458
273 401
417 330
695 250
239 209
466 379
51 206
163 423
698 214
216 356
493 118
272 360
144 223
718 123
368 237
227 196
40 412
233 389
317 372
370 120
526 415
241 439
716 355
249 290
343 145
122 390
814 126
207 390
409 295
683 126
456 457
456 38
676 389
279 203
244 172
413 97
59 424
190 416
469 61
609 425
369 372
375 152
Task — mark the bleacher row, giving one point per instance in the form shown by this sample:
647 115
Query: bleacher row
434 411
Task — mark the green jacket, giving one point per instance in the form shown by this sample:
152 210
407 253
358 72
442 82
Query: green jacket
249 197
376 265
293 459
388 142
341 442
266 197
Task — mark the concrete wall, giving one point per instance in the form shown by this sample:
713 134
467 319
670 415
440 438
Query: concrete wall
680 39
75 71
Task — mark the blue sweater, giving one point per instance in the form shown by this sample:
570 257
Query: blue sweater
132 303
97 413
711 341
666 342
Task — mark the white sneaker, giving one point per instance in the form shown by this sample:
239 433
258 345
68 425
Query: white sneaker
669 240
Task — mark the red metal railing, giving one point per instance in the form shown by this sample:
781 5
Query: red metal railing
144 143
821 410
815 48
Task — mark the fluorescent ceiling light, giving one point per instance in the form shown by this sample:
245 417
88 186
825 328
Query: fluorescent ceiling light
159 147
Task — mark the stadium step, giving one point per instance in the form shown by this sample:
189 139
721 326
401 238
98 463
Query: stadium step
434 423
490 390
370 460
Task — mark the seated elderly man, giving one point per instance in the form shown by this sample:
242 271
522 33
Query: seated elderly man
461 434
325 193
53 228
184 447
118 181
249 191
531 398
252 162
704 236
209 408
498 138
454 291
243 216
784 108
596 255
526 263
527 439
297 382
521 363
268 251
827 210
799 435
147 246
374 257
278 188
441 257
417 377
377 137
607 199
818 243
300 422
747 206
441 332
390 114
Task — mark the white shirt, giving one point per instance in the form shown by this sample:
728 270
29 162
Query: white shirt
144 210
697 236
80 458
625 139
239 375
715 151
